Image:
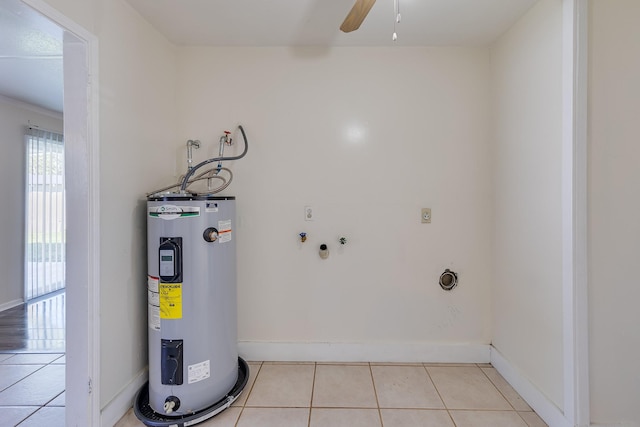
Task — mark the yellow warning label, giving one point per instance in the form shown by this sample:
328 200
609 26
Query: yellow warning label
171 300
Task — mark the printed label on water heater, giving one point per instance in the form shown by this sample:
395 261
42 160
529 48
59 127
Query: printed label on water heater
152 283
170 212
153 313
224 231
153 298
198 372
171 300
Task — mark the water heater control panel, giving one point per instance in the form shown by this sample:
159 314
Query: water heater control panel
170 259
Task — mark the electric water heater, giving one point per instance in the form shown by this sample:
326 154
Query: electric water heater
194 368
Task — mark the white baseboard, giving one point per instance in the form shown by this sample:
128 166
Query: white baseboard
119 405
544 407
10 304
364 352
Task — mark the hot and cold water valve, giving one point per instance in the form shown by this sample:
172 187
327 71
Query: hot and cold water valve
324 248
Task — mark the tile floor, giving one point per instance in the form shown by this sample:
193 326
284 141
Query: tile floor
32 390
372 395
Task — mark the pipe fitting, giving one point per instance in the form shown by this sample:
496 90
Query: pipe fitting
324 251
448 280
190 144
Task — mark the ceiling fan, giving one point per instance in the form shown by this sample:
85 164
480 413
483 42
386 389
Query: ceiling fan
356 16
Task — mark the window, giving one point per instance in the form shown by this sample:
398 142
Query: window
45 214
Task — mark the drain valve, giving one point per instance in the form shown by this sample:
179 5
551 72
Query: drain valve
171 404
448 280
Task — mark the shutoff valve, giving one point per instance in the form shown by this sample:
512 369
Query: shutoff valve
226 138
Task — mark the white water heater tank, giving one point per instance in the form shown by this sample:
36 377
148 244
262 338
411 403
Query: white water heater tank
193 356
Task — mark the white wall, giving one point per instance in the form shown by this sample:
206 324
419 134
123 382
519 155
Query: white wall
15 116
527 267
137 120
137 130
614 230
367 136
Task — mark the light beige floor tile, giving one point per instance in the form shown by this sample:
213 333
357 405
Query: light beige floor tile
276 362
335 417
226 418
282 386
507 391
449 365
129 420
344 386
487 419
532 419
12 415
32 358
38 388
50 417
466 388
60 400
274 417
60 361
5 356
415 417
395 364
345 363
11 374
254 368
405 387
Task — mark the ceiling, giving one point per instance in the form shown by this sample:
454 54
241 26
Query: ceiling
31 46
317 22
30 56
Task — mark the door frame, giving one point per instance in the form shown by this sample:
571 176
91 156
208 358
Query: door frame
81 133
574 213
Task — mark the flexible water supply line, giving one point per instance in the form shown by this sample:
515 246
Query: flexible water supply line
185 180
213 173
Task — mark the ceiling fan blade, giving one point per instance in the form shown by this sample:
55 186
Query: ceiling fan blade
356 16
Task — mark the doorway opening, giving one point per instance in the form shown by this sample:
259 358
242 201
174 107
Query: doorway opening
80 307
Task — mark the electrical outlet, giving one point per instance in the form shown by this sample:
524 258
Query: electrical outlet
308 213
426 215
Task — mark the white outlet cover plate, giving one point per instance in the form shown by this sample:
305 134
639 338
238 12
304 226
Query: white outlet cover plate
308 213
425 215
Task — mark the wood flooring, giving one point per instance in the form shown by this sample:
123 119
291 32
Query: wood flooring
37 327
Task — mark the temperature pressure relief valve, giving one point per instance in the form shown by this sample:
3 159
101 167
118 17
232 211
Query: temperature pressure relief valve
210 235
